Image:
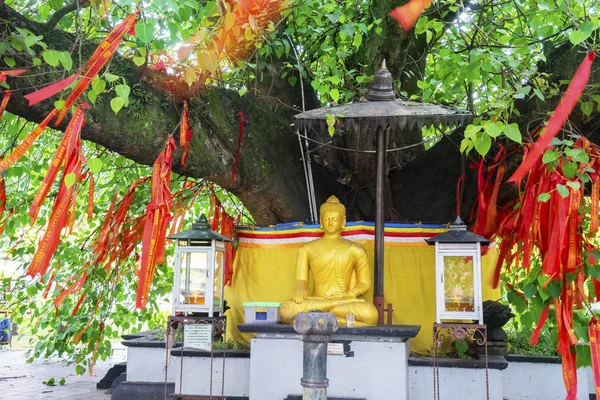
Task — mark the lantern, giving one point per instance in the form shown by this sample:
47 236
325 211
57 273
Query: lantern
458 273
199 270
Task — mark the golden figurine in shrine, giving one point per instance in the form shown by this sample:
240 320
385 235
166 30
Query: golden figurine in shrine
332 261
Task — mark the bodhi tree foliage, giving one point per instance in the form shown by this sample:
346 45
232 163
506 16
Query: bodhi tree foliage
506 61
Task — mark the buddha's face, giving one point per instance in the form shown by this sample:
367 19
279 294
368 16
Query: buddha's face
332 222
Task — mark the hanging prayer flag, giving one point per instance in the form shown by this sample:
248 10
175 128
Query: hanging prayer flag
26 143
408 14
50 90
557 120
158 216
99 58
10 72
4 102
60 211
185 133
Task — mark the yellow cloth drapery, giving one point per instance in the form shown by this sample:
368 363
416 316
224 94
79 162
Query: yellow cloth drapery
265 262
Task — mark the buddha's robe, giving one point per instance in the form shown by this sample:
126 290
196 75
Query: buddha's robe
332 265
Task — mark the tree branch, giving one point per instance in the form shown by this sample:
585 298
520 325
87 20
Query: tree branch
61 12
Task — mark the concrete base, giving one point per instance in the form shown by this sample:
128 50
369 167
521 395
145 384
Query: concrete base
195 380
455 383
528 378
373 364
146 361
141 391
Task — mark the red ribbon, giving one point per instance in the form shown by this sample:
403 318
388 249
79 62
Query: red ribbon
557 120
10 72
239 146
50 90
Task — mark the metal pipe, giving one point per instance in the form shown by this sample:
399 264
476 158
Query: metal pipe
316 329
379 223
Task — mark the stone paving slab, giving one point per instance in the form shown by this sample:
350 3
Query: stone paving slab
20 380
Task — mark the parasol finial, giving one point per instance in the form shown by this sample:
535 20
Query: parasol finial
381 89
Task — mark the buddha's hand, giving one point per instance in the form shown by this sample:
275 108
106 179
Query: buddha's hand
300 296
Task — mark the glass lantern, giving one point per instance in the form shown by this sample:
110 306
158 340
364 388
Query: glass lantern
458 274
199 270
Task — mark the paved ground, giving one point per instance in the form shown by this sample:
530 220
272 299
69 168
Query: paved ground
22 381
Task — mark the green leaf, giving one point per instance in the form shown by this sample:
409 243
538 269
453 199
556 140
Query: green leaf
116 104
330 119
587 108
550 156
554 288
569 169
544 197
10 62
513 133
95 165
471 130
51 57
516 301
584 356
578 36
527 320
574 184
65 60
357 40
462 347
50 382
62 381
539 94
98 85
58 104
494 129
110 77
482 144
144 31
347 29
335 94
139 61
79 370
594 272
530 290
70 179
123 92
562 190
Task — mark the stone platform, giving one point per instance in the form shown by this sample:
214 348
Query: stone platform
363 363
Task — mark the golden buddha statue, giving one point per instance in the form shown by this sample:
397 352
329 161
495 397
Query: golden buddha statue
332 261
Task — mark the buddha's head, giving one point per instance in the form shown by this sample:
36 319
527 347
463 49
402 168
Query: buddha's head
333 216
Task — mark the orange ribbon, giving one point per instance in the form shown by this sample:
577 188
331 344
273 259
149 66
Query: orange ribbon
4 103
99 58
22 147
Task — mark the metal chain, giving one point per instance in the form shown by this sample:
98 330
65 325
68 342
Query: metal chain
435 366
181 360
168 332
487 378
212 356
224 352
